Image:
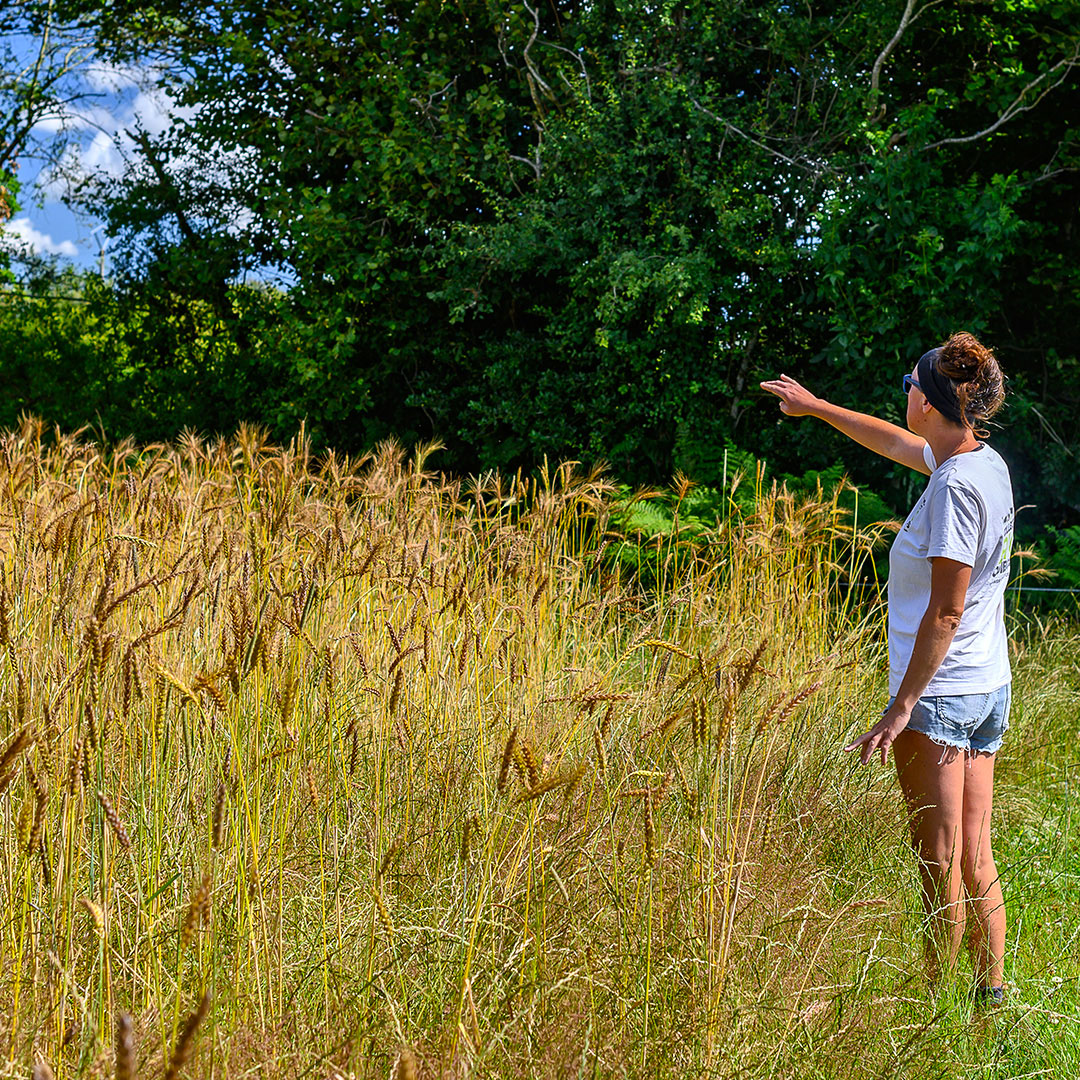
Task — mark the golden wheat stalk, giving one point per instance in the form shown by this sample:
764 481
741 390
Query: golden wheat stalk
97 916
388 858
469 830
559 780
405 1066
186 693
395 693
19 744
665 725
797 699
384 914
601 751
91 727
217 820
527 768
198 910
605 724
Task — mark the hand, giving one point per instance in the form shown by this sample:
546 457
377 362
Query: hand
882 734
795 400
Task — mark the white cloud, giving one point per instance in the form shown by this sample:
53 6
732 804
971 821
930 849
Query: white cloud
92 137
115 100
114 78
21 233
155 110
101 156
50 125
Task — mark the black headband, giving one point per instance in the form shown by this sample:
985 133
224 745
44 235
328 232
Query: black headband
939 389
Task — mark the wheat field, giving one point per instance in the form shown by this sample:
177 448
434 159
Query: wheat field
340 768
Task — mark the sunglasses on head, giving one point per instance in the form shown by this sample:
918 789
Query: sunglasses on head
909 382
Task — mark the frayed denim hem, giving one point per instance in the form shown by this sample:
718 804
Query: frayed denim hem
960 748
969 723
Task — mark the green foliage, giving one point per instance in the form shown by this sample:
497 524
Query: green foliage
1064 558
76 351
1056 566
62 352
588 230
9 204
653 525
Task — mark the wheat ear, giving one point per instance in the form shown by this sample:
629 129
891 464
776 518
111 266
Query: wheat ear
185 1043
125 1048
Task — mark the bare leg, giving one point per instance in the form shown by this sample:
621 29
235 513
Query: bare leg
932 779
987 938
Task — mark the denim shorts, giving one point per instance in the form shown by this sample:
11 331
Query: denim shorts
973 722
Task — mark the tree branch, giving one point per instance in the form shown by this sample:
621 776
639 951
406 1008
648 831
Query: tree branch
142 140
34 81
1017 107
728 126
533 164
905 21
532 73
581 64
32 92
875 74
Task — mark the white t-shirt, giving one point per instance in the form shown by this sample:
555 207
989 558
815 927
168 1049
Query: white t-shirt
966 514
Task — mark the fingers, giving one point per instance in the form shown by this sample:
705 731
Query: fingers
793 397
856 743
779 386
874 740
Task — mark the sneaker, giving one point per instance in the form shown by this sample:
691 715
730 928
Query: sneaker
989 996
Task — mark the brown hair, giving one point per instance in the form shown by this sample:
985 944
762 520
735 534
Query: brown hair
976 376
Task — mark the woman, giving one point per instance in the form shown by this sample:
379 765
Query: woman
949 677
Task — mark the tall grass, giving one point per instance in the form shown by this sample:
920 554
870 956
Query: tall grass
341 768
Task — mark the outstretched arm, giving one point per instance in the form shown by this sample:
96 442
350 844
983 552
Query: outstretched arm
888 440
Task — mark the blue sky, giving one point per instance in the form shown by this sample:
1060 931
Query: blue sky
54 229
108 101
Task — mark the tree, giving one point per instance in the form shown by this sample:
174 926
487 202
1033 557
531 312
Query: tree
963 216
41 59
587 229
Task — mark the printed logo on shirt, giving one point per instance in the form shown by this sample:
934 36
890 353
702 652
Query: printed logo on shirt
1003 563
915 511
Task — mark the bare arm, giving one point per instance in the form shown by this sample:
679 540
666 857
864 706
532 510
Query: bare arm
888 440
949 581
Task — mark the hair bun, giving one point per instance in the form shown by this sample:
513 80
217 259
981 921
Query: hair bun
975 373
963 354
